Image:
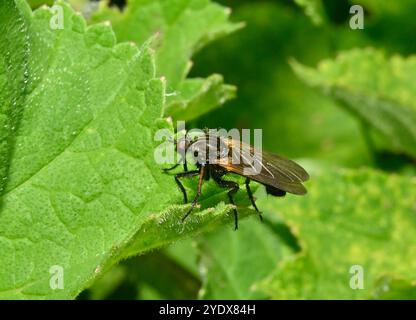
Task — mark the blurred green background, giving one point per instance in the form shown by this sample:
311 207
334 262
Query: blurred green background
350 121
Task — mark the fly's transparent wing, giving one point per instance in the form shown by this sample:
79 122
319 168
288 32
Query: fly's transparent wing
267 168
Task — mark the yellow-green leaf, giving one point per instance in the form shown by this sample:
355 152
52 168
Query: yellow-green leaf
349 218
378 90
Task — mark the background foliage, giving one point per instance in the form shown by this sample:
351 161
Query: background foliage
79 187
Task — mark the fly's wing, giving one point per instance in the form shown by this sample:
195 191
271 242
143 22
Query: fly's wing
266 168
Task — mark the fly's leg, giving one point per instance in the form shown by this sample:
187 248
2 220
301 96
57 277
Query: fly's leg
201 174
250 196
171 168
233 186
179 183
185 166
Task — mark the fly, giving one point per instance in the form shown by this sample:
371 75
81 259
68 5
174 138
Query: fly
215 156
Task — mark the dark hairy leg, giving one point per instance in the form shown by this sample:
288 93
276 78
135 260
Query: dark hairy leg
201 173
171 168
250 196
233 186
185 166
186 174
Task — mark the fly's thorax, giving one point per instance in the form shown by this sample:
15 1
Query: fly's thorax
208 149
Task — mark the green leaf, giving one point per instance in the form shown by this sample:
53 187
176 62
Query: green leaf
388 7
231 263
348 218
185 254
313 9
157 231
389 288
83 186
170 228
152 276
14 51
183 27
197 96
391 24
380 91
106 285
157 276
38 3
78 5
